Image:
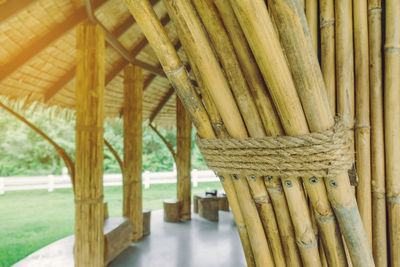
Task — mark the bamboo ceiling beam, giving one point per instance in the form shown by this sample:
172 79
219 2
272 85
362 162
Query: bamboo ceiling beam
69 75
162 103
11 8
54 34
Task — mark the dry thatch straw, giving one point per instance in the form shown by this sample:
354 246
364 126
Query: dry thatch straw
379 239
392 125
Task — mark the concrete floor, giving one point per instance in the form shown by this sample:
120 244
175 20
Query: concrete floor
191 244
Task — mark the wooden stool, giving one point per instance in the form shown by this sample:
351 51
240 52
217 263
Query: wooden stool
117 237
208 208
146 221
171 210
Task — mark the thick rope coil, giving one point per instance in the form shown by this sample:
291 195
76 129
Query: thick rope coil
323 154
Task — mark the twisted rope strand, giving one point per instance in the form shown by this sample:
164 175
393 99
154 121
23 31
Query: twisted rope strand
320 154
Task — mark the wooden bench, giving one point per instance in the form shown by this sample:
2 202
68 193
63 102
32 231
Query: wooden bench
117 237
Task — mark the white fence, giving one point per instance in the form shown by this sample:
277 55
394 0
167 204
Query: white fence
52 182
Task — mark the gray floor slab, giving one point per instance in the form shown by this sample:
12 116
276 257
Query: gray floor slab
191 244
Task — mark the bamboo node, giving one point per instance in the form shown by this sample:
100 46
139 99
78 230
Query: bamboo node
318 154
174 73
326 23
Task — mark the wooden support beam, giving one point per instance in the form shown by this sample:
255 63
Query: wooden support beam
55 33
89 211
183 145
11 8
168 144
69 75
162 103
61 151
115 154
133 113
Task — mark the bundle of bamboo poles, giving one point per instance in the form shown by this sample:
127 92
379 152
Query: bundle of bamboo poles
264 69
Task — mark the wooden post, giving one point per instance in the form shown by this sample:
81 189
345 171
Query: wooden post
133 90
183 145
90 75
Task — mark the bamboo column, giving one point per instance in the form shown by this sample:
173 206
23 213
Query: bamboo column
226 180
362 131
379 239
271 124
266 48
152 28
194 41
133 110
310 86
392 125
224 50
327 29
183 145
89 218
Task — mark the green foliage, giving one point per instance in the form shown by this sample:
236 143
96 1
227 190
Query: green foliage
24 152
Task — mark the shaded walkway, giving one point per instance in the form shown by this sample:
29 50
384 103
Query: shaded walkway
192 244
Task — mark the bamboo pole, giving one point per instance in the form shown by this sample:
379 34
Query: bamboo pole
183 146
248 64
392 125
230 63
266 48
327 30
132 186
90 75
226 180
362 131
271 124
310 86
379 239
154 32
312 20
195 42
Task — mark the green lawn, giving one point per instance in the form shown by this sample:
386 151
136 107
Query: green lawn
30 220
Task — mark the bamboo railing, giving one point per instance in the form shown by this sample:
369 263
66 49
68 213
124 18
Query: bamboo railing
259 75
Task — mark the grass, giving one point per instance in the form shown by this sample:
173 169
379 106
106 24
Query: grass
29 220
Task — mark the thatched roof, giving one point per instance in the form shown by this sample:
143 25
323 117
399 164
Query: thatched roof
38 55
